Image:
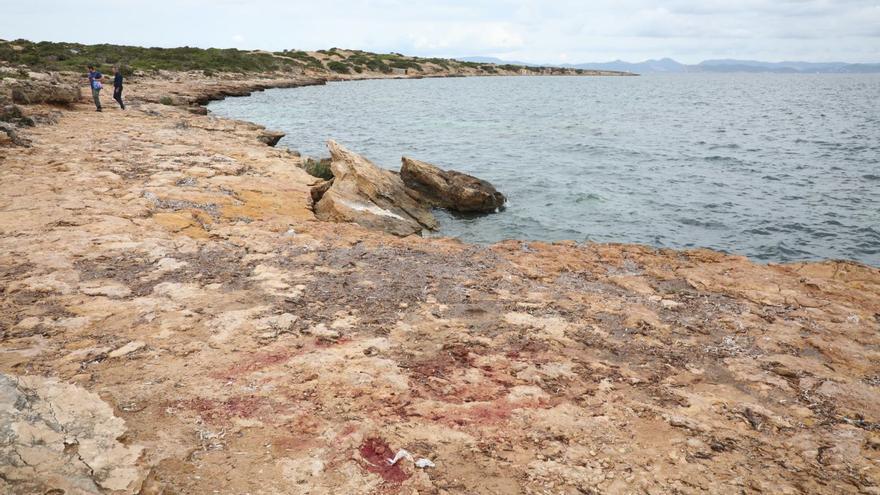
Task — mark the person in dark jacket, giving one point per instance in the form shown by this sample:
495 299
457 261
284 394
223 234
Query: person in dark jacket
117 87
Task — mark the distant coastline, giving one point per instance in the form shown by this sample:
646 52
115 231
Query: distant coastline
670 66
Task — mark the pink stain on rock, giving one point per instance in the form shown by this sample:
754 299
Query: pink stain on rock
375 453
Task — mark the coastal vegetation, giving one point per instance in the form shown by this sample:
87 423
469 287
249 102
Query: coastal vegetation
75 56
318 168
54 56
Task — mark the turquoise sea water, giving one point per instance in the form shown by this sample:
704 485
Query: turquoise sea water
775 167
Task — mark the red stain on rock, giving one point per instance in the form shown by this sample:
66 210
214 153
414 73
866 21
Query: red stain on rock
484 414
375 453
243 407
214 411
252 364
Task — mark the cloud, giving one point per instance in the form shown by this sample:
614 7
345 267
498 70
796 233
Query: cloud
532 30
461 36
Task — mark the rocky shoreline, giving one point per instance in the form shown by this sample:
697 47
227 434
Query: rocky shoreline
175 319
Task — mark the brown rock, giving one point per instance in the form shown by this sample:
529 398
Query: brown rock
318 190
370 196
450 189
8 132
34 92
271 138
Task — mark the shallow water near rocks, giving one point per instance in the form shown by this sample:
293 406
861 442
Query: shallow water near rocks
775 167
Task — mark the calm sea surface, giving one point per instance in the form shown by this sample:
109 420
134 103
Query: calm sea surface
775 167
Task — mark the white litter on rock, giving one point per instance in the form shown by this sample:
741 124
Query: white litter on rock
404 454
401 454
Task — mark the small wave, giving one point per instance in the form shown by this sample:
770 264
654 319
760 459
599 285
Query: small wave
782 251
587 198
709 224
870 232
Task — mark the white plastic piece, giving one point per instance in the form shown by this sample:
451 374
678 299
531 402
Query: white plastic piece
401 454
424 463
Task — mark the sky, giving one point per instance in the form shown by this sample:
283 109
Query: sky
539 31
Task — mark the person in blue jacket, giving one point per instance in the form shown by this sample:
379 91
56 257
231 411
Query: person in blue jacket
117 86
95 83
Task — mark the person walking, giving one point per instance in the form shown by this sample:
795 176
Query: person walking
95 83
117 86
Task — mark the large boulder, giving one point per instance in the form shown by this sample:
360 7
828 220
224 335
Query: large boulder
450 189
369 196
34 92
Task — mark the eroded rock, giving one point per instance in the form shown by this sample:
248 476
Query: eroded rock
370 196
34 92
9 132
270 138
56 437
450 189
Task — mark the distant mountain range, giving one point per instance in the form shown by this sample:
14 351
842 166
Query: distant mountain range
668 65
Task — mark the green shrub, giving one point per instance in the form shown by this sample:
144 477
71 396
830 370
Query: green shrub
318 168
377 65
166 100
339 67
442 62
302 56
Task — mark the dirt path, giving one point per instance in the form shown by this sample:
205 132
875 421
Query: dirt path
164 269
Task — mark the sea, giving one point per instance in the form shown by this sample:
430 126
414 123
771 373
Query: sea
776 167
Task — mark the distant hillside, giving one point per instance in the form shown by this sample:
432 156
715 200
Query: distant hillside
668 65
783 67
335 61
496 61
646 67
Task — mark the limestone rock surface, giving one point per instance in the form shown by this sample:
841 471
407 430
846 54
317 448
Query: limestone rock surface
34 92
60 438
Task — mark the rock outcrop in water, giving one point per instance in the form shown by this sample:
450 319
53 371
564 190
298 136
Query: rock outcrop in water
269 137
450 189
369 196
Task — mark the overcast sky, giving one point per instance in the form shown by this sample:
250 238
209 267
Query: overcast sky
551 31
